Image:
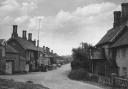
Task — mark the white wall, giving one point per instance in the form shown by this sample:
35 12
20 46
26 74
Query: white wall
122 60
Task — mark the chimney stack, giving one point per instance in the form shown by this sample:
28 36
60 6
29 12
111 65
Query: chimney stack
47 50
14 34
117 18
34 42
52 51
124 12
37 43
24 34
44 48
30 36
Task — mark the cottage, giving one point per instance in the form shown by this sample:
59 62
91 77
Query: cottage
43 60
18 62
97 61
2 55
11 61
115 43
26 48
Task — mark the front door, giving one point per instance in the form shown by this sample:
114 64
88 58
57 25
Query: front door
8 68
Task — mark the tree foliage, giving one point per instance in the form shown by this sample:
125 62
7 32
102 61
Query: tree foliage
81 57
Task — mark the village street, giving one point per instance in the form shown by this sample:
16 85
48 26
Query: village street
56 79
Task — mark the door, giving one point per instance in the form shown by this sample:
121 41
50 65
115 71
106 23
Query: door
8 68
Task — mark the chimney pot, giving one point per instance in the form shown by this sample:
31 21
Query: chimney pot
47 50
44 48
124 12
14 34
51 51
34 42
117 18
30 36
24 34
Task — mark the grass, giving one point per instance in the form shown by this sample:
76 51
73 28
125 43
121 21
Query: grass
79 74
11 84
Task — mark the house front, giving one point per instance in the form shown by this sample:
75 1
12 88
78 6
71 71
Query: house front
114 43
2 55
97 61
26 48
121 54
10 60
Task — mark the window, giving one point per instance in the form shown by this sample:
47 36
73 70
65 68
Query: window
124 71
0 53
123 52
3 52
13 44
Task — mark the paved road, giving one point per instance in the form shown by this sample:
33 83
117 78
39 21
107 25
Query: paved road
56 79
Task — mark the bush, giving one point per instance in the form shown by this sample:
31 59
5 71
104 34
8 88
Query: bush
79 74
94 78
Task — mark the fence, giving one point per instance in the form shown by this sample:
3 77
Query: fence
112 81
120 83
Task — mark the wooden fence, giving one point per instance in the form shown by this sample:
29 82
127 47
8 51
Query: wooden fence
112 81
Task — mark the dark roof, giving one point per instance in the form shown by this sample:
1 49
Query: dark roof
10 49
27 45
122 41
111 35
1 41
41 49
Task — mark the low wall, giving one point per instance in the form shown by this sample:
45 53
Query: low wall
112 81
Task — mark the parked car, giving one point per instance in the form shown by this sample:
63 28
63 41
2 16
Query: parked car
58 65
54 66
50 67
44 68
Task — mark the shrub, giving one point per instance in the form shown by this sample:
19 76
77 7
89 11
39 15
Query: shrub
94 78
79 74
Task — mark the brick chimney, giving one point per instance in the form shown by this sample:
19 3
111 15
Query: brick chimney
15 34
47 50
24 34
117 18
34 42
52 51
124 12
44 48
30 36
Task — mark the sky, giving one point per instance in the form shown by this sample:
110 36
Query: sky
64 24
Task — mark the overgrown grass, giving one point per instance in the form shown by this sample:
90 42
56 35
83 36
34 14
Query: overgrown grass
11 84
79 74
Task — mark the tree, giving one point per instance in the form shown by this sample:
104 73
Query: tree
81 57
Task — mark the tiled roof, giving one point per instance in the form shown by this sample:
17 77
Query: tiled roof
41 49
122 41
27 45
10 49
111 35
1 41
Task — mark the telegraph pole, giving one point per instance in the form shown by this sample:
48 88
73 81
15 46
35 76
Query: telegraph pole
38 41
38 32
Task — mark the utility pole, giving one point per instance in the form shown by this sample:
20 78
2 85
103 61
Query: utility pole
38 33
38 41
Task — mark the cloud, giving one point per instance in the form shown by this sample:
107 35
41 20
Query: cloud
67 29
64 23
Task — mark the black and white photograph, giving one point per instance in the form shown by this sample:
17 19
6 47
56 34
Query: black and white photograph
63 44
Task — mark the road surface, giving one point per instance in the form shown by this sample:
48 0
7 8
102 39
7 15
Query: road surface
55 79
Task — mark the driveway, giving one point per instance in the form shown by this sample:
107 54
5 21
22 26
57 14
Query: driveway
56 79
